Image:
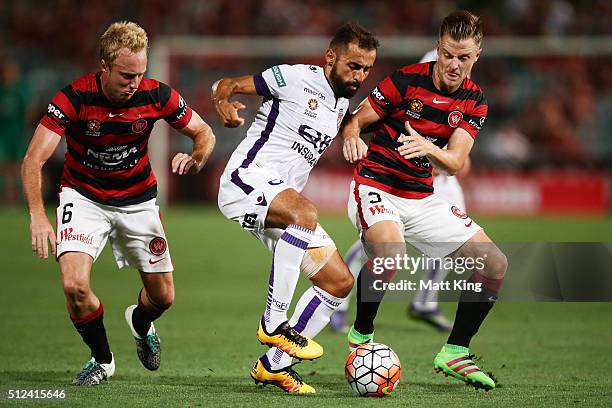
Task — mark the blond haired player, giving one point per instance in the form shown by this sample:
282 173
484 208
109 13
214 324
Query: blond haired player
108 190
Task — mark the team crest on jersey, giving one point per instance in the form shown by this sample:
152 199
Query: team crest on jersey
416 105
458 213
313 104
93 128
455 118
158 246
139 126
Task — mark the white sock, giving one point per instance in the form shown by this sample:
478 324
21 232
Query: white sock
344 306
278 358
427 299
286 261
311 315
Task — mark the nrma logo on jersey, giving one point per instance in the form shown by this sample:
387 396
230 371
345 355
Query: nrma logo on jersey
114 158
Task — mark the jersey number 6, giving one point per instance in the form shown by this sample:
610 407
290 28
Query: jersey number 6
66 213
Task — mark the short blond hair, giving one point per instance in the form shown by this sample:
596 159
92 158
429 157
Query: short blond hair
123 34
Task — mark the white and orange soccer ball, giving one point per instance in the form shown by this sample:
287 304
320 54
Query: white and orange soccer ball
373 370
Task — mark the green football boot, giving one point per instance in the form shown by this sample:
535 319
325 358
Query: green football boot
356 339
457 362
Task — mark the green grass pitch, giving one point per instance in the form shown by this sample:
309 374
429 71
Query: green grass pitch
543 354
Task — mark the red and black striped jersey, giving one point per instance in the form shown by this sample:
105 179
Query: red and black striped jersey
107 159
409 94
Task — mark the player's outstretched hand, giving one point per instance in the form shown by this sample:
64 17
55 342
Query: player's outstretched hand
42 236
228 113
183 163
413 144
354 149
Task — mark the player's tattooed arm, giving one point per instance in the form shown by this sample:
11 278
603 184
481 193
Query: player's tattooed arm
203 144
449 160
223 90
43 144
353 147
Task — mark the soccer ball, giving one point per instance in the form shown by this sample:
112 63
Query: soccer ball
372 370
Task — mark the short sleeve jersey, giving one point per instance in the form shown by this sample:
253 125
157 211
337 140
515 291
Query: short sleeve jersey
409 94
296 122
107 159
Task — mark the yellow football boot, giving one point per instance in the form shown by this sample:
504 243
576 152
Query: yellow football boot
290 341
286 378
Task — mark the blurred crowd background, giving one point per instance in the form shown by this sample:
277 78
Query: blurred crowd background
547 113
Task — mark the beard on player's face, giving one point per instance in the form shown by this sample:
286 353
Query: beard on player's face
342 88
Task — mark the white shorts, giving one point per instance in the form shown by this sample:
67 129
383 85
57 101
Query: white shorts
135 231
449 190
430 224
245 196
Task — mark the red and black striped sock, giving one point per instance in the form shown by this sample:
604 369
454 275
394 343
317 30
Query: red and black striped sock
473 308
91 328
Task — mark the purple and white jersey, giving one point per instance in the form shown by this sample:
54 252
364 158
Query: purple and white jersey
297 121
